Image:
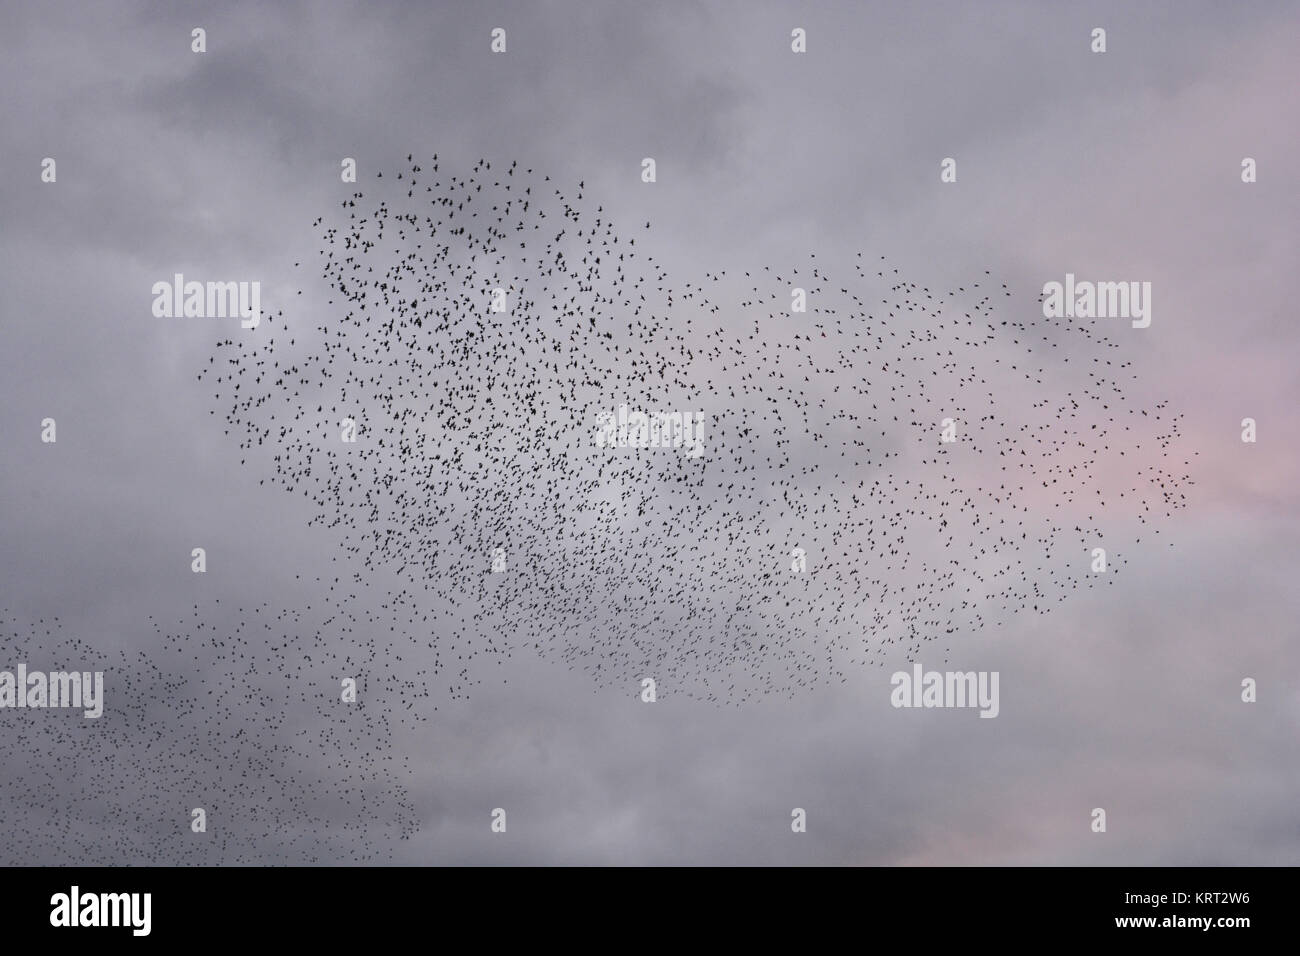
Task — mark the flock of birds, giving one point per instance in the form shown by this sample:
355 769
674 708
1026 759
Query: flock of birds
238 715
827 525
823 439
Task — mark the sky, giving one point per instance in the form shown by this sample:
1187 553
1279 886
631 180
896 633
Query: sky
1123 164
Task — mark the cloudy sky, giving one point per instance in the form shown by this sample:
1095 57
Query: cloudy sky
1118 165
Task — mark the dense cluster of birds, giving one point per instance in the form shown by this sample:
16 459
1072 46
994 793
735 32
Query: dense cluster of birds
826 524
477 324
